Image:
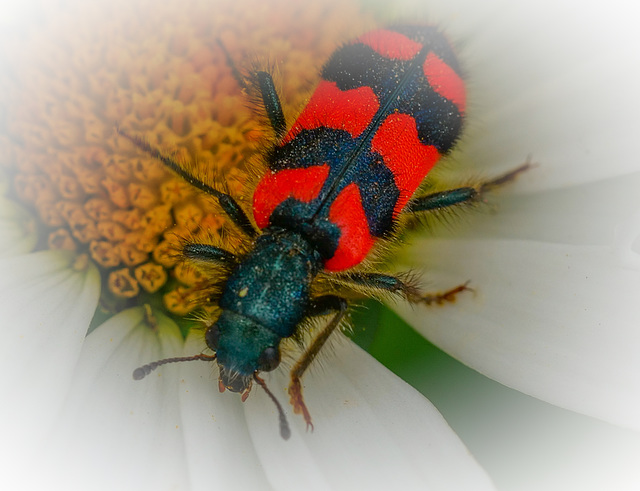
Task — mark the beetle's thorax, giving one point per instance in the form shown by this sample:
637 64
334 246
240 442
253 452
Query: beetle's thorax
272 284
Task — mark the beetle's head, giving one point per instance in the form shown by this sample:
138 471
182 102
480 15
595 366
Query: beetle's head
243 347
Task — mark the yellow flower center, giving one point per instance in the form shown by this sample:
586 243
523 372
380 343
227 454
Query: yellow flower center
155 69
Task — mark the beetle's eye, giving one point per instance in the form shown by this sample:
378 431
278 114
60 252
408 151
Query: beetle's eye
212 336
269 359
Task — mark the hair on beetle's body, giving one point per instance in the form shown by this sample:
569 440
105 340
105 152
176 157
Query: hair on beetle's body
337 183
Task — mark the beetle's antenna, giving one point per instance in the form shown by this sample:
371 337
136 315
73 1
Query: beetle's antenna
234 69
141 372
285 431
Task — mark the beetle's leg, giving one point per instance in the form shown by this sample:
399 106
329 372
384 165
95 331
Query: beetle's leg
229 205
329 303
261 82
387 283
209 254
369 283
466 194
234 69
320 306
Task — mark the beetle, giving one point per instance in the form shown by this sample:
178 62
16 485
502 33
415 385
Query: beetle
388 106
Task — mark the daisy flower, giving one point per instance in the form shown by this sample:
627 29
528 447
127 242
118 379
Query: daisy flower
91 289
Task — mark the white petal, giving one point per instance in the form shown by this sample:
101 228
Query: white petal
219 449
593 214
544 320
18 229
46 308
372 431
526 444
582 314
114 432
549 80
554 320
522 442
